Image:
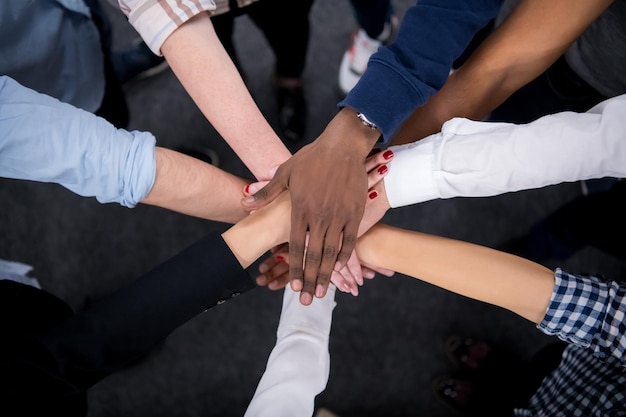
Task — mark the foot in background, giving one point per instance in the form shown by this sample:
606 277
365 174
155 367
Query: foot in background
466 352
354 61
477 387
137 62
457 393
292 108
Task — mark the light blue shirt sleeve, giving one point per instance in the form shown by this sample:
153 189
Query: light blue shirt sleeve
45 140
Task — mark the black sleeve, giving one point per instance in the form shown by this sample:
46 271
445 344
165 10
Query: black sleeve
83 349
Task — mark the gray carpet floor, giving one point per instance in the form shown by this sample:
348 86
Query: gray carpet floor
386 344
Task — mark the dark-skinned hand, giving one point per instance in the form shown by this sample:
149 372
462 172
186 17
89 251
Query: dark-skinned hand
327 181
274 270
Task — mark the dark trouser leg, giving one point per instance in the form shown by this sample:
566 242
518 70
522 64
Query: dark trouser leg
285 24
114 107
368 15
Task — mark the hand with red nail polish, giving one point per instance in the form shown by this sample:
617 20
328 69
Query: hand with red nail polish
274 271
327 182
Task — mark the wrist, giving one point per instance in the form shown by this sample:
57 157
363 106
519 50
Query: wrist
360 131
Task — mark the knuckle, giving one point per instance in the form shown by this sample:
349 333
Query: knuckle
313 257
330 252
296 249
349 238
262 193
296 273
323 277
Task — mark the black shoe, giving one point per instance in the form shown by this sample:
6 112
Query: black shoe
137 62
291 112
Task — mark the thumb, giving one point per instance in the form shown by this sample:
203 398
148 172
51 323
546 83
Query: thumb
252 188
265 195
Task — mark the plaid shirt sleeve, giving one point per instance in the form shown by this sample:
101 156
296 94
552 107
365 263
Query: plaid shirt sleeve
155 20
588 312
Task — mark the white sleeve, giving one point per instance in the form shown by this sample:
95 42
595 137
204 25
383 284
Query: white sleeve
299 365
481 159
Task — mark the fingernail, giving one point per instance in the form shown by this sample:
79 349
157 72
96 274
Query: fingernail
388 154
280 258
383 169
373 195
296 285
247 189
319 291
263 268
305 298
260 280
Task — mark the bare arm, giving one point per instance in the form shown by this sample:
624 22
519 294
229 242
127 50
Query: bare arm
200 62
478 272
474 271
193 187
529 40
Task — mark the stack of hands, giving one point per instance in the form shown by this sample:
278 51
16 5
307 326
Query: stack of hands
277 271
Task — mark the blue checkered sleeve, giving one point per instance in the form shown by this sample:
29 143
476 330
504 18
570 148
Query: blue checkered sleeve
588 312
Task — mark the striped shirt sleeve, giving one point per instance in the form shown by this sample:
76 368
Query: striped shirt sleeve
156 20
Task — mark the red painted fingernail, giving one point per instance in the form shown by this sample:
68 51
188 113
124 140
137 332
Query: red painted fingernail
280 258
373 195
383 169
388 154
247 189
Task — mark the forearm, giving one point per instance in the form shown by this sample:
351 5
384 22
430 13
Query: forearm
473 271
200 62
528 41
193 187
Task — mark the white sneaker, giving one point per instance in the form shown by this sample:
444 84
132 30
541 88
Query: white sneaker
354 61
